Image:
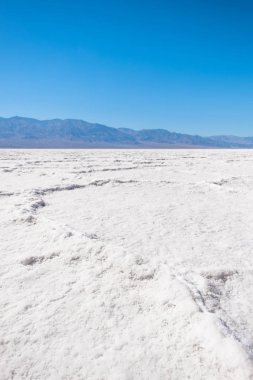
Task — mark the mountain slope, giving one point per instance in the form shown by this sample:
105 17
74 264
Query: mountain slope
21 132
25 132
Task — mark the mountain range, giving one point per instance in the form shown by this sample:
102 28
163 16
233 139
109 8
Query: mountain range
22 132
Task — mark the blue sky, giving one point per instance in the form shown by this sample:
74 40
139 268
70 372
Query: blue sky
185 66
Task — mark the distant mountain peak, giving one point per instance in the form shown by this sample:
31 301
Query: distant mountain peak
23 132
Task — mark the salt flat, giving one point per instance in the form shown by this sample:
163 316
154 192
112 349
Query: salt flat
126 264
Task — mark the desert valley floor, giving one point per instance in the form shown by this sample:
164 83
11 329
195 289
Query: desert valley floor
126 264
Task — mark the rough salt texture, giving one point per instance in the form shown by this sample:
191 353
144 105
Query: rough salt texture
126 264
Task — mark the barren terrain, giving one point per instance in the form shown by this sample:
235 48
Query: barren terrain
126 264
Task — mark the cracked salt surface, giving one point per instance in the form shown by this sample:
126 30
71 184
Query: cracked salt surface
112 273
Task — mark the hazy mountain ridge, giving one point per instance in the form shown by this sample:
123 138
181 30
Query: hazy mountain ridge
21 132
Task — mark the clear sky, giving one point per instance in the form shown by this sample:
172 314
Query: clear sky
182 65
